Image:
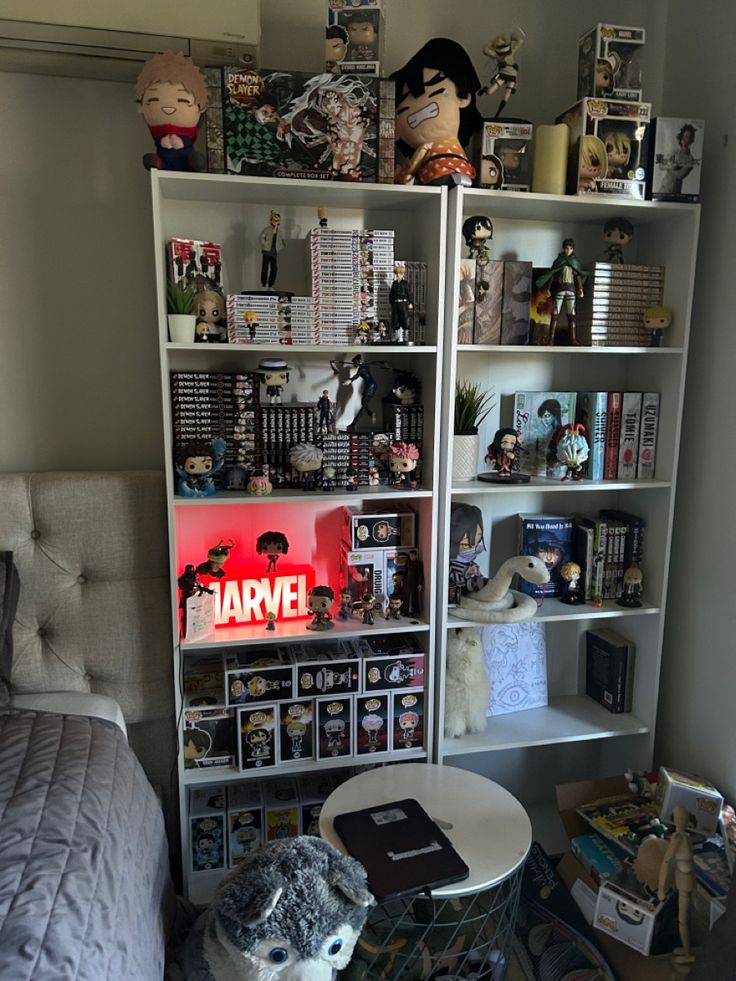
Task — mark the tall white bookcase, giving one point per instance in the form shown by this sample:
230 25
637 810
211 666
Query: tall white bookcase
573 737
233 211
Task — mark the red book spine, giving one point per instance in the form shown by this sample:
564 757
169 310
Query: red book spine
613 433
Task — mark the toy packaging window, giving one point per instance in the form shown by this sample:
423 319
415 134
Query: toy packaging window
502 155
407 712
256 737
609 62
373 729
335 725
354 36
675 155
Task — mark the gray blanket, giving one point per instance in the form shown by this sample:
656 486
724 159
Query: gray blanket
83 855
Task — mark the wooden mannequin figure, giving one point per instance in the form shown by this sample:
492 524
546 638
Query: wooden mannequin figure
678 859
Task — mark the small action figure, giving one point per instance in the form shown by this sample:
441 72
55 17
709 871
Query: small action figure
678 864
372 724
361 332
259 485
618 152
411 585
319 603
606 70
270 620
216 557
362 35
402 462
572 594
402 305
322 216
324 407
251 321
271 242
273 544
393 610
335 732
172 95
593 163
211 323
565 279
336 48
408 722
346 605
501 454
407 389
631 592
618 232
274 374
502 50
572 449
196 464
328 477
478 232
351 478
367 606
656 320
362 373
306 459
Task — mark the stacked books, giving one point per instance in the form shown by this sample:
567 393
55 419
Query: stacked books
416 279
618 298
403 422
604 548
270 318
622 434
282 427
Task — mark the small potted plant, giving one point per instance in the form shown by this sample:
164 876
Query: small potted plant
182 319
472 405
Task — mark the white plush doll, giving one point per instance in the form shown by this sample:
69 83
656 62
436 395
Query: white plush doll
467 688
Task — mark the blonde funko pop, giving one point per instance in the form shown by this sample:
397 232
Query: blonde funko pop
592 163
618 153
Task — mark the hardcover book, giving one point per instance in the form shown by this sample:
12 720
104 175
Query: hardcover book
609 669
591 411
628 446
613 434
538 417
489 301
466 301
549 537
517 289
648 436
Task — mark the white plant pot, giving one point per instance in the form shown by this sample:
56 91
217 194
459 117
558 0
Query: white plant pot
465 457
181 328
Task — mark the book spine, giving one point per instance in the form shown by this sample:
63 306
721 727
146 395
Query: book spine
583 538
648 436
613 432
628 446
608 572
600 538
591 412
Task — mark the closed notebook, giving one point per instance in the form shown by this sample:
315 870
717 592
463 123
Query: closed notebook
401 847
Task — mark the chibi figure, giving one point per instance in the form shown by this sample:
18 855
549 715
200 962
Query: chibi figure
270 620
273 544
502 452
306 459
436 114
346 605
196 745
283 826
593 163
402 462
402 305
206 852
466 544
478 232
324 407
351 478
367 605
362 373
336 48
322 217
631 592
372 724
673 168
656 320
259 742
272 242
236 477
258 686
572 594
618 232
211 326
491 172
606 70
565 282
572 449
393 610
319 603
250 318
329 474
296 730
274 374
362 35
511 154
172 95
618 153
407 389
196 464
502 50
335 732
216 557
259 485
362 331
408 722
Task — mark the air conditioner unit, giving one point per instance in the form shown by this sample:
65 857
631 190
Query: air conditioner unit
110 40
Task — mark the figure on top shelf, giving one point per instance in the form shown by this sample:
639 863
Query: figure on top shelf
436 114
572 449
501 454
402 305
346 605
211 324
196 464
319 603
273 544
272 242
572 594
565 282
336 48
216 557
306 459
503 50
478 232
618 232
172 95
393 609
274 374
656 321
403 459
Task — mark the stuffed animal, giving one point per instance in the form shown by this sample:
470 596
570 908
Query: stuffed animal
292 911
467 688
172 95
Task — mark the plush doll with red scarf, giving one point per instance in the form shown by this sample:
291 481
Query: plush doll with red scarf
172 95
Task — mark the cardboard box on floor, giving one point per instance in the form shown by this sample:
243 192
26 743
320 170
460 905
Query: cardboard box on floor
628 964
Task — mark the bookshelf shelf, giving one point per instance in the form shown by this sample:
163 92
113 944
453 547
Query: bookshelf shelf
289 350
291 496
543 486
553 611
536 349
295 630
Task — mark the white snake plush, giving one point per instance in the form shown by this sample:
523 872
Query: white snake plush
496 602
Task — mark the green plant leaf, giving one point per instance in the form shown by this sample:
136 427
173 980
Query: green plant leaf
180 298
472 405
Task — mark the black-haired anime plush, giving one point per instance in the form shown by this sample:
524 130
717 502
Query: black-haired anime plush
291 911
466 544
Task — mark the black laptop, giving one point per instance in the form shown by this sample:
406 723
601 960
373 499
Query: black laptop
402 849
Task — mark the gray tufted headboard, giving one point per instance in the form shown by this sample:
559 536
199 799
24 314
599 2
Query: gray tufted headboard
94 607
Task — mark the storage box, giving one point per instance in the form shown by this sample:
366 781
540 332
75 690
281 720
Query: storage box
256 676
208 742
326 674
280 809
362 572
207 828
647 925
407 713
244 820
675 155
698 797
356 31
373 725
335 725
256 737
609 62
501 154
374 530
296 730
392 672
608 147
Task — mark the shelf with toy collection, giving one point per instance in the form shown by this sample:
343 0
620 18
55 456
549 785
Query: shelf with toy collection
232 211
572 737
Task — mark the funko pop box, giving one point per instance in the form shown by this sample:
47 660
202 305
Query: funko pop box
609 65
675 154
501 152
354 36
608 147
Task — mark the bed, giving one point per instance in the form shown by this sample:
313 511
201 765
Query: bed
87 729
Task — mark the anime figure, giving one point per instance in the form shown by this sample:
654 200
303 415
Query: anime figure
172 95
274 374
478 232
329 474
236 477
362 373
259 485
511 154
402 462
250 318
367 605
676 166
346 605
406 389
572 449
592 163
402 305
372 725
362 331
336 47
436 114
216 557
258 740
565 282
631 591
411 584
335 732
270 620
306 459
319 603
502 50
322 217
618 232
273 544
272 242
572 594
207 852
618 153
362 35
196 464
196 745
393 610
211 323
656 320
606 70
501 454
324 408
190 585
408 722
466 544
351 478
296 730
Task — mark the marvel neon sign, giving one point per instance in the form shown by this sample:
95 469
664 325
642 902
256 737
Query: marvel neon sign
249 600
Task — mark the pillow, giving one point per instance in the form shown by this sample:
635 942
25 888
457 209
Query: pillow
9 592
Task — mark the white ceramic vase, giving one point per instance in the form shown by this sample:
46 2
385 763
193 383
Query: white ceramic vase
465 457
181 328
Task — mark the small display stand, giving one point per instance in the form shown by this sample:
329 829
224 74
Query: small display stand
456 929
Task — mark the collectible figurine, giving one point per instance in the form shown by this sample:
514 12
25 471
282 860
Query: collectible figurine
402 462
466 544
336 48
272 242
367 605
478 232
677 865
196 464
270 620
618 153
322 216
406 389
408 722
273 544
363 373
335 732
501 454
324 407
606 70
172 95
362 35
236 477
402 305
673 168
632 584
411 585
618 232
572 449
346 605
372 724
436 114
319 603
216 557
306 459
502 50
351 478
274 374
329 474
593 163
259 485
189 585
565 279
251 321
572 594
211 324
361 332
393 610
656 320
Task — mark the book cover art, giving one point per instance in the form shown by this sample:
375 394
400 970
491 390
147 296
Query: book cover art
466 301
628 445
295 124
549 537
648 436
515 656
538 417
489 279
517 289
591 411
541 306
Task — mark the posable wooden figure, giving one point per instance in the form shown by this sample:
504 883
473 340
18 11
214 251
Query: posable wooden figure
677 865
